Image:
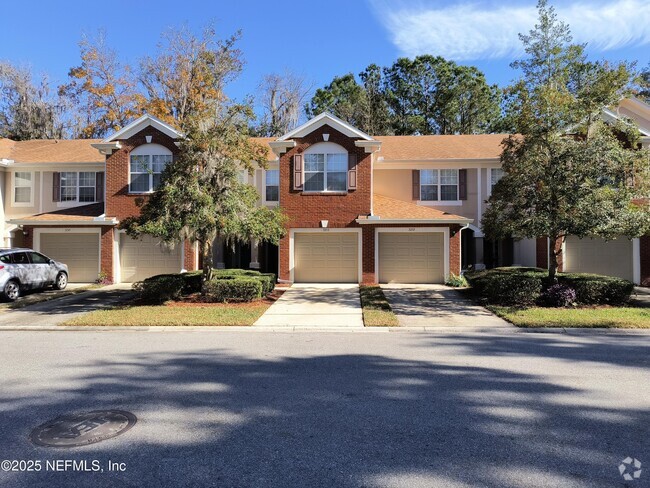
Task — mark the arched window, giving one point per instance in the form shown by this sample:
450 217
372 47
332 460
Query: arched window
326 168
147 164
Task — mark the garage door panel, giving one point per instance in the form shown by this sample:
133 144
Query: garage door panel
411 257
326 257
80 251
142 258
611 258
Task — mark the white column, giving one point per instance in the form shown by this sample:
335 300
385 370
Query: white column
255 250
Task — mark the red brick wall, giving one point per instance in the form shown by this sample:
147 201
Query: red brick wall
119 203
191 251
307 210
644 247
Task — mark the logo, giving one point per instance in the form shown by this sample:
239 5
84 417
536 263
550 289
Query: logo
630 469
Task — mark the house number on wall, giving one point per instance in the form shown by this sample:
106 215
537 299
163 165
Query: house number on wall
411 229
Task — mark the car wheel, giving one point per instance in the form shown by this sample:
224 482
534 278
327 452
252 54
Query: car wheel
11 290
61 281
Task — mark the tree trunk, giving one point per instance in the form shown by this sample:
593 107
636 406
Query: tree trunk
553 259
206 254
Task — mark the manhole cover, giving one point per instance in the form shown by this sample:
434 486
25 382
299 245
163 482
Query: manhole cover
80 429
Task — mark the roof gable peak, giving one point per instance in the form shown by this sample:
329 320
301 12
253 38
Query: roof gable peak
325 118
141 123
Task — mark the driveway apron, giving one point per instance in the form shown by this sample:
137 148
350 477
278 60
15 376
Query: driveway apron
59 310
315 305
437 306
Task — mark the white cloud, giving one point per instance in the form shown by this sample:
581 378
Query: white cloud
467 31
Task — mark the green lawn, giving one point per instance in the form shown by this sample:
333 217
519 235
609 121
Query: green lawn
608 317
376 309
149 315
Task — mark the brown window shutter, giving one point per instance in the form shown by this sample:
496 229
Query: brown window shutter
56 187
416 184
99 186
352 171
462 184
297 172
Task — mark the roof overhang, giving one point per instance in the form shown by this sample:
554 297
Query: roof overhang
369 146
142 123
325 119
65 223
380 221
107 148
280 147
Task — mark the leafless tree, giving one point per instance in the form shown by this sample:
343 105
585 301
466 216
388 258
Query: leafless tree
281 98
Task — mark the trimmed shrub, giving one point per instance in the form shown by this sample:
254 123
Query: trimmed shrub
558 295
233 289
192 281
508 286
592 289
161 288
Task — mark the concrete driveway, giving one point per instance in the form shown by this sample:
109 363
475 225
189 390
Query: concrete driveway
315 305
437 306
56 311
497 409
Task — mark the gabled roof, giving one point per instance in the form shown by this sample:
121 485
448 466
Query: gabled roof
389 210
142 122
320 120
422 148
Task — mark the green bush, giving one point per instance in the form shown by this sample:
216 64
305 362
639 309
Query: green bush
457 281
592 289
508 286
193 281
233 289
268 279
161 288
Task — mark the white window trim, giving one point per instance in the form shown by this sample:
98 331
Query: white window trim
315 230
151 153
438 202
444 230
324 148
13 190
76 202
264 200
489 182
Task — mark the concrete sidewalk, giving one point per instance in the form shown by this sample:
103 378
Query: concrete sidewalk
316 305
438 306
59 310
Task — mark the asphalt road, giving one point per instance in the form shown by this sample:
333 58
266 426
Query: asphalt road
264 409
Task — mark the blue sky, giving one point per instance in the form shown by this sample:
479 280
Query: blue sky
319 40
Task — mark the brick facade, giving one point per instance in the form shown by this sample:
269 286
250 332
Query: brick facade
307 210
119 203
542 257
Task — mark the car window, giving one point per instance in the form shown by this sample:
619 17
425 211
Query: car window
20 258
38 258
5 258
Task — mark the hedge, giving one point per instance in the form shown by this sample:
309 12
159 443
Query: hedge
592 289
517 286
164 287
508 286
235 289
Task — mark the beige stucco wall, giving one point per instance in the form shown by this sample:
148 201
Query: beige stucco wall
397 183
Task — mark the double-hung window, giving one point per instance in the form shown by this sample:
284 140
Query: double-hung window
146 171
495 175
272 183
326 172
78 187
439 185
23 187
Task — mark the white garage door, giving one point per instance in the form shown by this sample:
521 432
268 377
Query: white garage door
411 257
79 251
611 258
142 258
326 257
